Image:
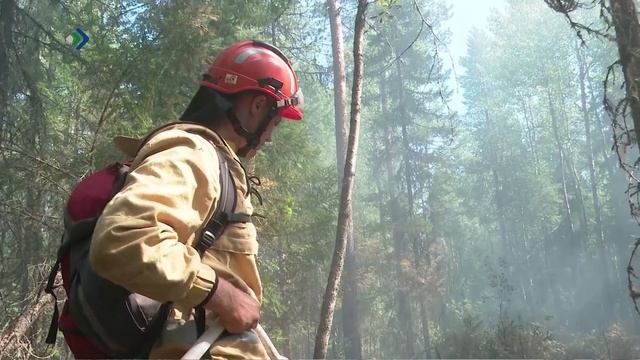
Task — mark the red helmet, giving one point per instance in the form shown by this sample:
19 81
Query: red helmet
255 65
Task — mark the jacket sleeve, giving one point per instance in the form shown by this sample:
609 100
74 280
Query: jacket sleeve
142 240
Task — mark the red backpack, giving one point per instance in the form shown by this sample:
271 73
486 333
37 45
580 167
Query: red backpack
101 319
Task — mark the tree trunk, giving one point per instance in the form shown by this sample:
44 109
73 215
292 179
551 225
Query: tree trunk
530 130
593 179
603 251
398 238
286 333
499 202
426 335
563 171
350 318
575 245
404 303
7 17
497 195
10 337
625 20
345 215
579 199
350 308
339 83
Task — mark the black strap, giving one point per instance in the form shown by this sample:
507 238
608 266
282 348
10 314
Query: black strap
53 326
49 289
52 334
69 239
223 213
155 330
200 317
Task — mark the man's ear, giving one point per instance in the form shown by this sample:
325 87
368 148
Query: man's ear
259 104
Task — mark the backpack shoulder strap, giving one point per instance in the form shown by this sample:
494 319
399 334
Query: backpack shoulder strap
223 213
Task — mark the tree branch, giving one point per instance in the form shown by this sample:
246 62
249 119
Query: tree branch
12 336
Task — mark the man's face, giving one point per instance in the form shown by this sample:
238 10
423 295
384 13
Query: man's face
260 107
266 137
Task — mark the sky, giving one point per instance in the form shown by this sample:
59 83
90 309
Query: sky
466 14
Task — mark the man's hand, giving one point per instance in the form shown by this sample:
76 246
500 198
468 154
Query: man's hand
237 310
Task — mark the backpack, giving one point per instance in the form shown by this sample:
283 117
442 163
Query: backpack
99 318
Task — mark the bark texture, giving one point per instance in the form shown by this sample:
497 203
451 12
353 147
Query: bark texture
345 215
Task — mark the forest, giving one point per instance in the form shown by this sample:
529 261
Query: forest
494 205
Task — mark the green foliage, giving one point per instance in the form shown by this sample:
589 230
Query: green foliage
463 221
139 69
470 337
614 343
531 170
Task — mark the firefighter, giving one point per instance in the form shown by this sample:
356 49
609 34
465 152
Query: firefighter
143 239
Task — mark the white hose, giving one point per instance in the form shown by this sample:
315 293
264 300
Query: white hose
204 342
214 331
266 342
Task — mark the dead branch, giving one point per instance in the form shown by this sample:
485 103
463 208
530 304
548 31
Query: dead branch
12 335
564 7
39 160
633 292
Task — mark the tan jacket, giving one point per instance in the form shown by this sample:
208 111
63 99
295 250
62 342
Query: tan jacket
143 239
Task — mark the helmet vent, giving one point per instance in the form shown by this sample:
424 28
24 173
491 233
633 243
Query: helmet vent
274 83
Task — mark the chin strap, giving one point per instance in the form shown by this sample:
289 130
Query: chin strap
252 139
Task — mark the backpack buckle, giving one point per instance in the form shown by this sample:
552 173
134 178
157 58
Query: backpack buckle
206 240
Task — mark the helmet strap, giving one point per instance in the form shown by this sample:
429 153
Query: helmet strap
252 139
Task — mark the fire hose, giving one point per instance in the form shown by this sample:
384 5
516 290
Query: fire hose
214 331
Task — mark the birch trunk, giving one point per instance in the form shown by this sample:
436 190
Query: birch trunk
345 215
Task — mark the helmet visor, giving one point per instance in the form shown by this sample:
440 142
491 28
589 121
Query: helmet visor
292 108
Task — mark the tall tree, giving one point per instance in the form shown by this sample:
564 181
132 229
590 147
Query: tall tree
350 317
625 21
623 17
7 18
409 123
345 215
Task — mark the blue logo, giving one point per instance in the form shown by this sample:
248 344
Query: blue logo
77 39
